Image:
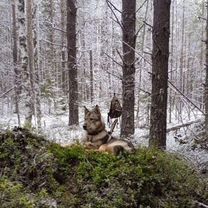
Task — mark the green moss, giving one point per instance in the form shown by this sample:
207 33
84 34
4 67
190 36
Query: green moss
13 195
74 177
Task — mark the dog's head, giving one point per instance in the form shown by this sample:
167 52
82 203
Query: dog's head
93 123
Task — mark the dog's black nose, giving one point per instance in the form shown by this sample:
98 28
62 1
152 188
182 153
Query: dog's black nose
84 126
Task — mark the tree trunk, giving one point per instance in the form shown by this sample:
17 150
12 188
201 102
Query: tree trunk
181 78
171 65
30 48
142 62
72 65
15 60
160 55
24 61
63 54
128 82
206 78
37 89
91 78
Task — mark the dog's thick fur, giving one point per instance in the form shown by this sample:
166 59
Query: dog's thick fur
98 138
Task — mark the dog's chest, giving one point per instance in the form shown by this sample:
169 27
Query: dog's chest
98 139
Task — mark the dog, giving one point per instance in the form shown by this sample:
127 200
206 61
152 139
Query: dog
98 138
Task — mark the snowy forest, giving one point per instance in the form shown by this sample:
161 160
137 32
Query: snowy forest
53 65
59 58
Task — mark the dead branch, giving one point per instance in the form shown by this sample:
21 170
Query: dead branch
147 24
138 53
141 6
202 18
119 55
117 20
113 6
7 92
185 97
113 59
139 30
49 42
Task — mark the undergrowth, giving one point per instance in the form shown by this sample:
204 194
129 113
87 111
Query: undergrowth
37 173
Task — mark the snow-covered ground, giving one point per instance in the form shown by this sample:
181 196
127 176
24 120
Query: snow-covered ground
55 128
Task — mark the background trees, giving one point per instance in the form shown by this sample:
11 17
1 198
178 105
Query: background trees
99 60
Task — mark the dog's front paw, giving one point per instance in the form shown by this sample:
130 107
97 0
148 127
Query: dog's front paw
89 145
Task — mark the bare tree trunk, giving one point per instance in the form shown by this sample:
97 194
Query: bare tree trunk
15 60
72 65
160 55
206 78
128 82
30 48
91 77
171 65
36 66
142 63
181 79
63 52
24 61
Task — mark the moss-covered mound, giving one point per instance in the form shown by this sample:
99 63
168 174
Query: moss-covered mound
37 173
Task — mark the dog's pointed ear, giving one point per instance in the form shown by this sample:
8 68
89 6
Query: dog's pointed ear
86 110
97 109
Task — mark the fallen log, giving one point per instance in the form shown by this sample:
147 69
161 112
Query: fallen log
175 128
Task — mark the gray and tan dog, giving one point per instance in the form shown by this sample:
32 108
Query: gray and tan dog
98 138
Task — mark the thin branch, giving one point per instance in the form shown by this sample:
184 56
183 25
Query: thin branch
47 41
141 6
7 92
117 20
58 29
113 59
145 91
113 6
139 30
202 18
53 26
148 24
148 53
138 53
121 57
120 78
185 97
114 75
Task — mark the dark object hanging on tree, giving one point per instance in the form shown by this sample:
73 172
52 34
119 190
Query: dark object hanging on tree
115 108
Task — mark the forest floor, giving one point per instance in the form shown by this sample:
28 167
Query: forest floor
187 141
37 173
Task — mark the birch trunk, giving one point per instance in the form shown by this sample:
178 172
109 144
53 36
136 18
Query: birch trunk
24 61
15 62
